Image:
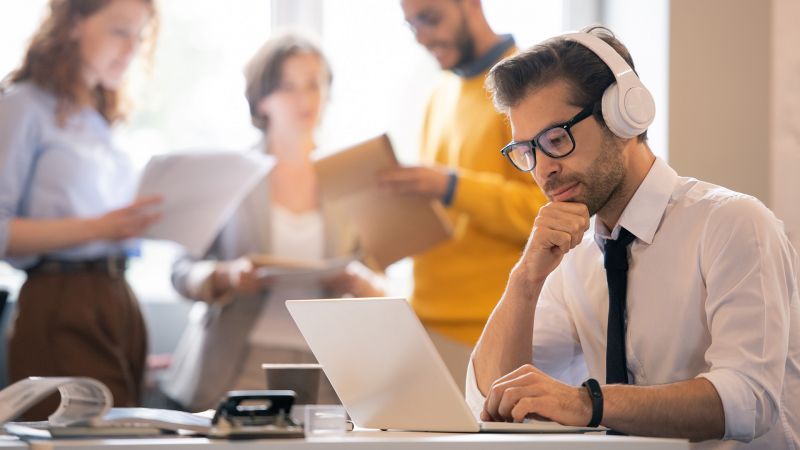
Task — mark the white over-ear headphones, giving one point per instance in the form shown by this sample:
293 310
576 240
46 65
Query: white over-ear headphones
628 107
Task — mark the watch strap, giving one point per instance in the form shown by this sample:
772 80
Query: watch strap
596 395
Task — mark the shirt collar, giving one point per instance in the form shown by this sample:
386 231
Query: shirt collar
644 211
487 60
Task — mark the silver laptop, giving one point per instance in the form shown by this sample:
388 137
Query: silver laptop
386 371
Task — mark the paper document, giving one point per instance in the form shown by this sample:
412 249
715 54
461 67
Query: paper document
86 409
201 190
390 226
299 272
81 398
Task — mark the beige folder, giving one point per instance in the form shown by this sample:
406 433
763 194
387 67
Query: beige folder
390 226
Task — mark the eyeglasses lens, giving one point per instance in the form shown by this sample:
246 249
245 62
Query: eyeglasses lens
556 142
522 156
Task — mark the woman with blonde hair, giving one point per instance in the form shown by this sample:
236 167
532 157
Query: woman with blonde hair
240 319
66 199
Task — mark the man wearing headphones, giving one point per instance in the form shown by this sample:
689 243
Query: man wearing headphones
679 313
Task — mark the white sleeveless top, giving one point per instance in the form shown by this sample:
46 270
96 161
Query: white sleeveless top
294 236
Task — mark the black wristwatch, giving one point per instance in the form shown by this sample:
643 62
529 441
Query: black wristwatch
596 394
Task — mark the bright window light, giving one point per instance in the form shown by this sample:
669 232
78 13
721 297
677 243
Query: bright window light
193 96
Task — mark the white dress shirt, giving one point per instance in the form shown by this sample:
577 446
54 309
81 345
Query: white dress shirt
712 293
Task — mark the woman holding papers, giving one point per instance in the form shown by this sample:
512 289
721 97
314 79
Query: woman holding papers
65 198
241 320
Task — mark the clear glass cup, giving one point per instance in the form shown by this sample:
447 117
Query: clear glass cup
325 420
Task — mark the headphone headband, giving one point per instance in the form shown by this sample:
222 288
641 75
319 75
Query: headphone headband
628 107
619 67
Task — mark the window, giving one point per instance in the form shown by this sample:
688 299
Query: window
193 98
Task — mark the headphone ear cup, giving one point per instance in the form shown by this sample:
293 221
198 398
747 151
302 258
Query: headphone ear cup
639 105
613 116
640 108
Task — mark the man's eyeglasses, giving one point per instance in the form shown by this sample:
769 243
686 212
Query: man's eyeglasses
555 142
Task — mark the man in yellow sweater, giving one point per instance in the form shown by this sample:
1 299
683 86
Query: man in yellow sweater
492 206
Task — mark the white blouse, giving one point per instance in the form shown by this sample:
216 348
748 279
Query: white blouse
294 236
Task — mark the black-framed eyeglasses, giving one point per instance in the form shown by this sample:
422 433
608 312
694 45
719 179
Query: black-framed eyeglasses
555 142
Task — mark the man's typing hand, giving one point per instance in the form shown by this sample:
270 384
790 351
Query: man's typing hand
528 393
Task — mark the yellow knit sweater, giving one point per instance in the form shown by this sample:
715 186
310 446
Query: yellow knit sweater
458 283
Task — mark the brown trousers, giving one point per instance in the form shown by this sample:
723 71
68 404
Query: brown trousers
79 324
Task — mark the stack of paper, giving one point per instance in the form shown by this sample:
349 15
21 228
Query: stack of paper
299 272
201 190
86 410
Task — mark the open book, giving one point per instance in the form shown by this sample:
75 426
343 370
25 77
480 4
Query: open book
86 409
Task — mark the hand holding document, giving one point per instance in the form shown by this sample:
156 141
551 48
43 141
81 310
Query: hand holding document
390 225
200 191
298 272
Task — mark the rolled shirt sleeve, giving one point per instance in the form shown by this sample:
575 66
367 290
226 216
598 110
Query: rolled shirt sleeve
738 403
747 263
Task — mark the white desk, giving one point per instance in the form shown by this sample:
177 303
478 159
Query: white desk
10 442
378 440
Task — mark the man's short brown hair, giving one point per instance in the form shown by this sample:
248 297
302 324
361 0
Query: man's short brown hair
514 78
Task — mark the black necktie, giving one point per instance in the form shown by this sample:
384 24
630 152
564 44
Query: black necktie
616 264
